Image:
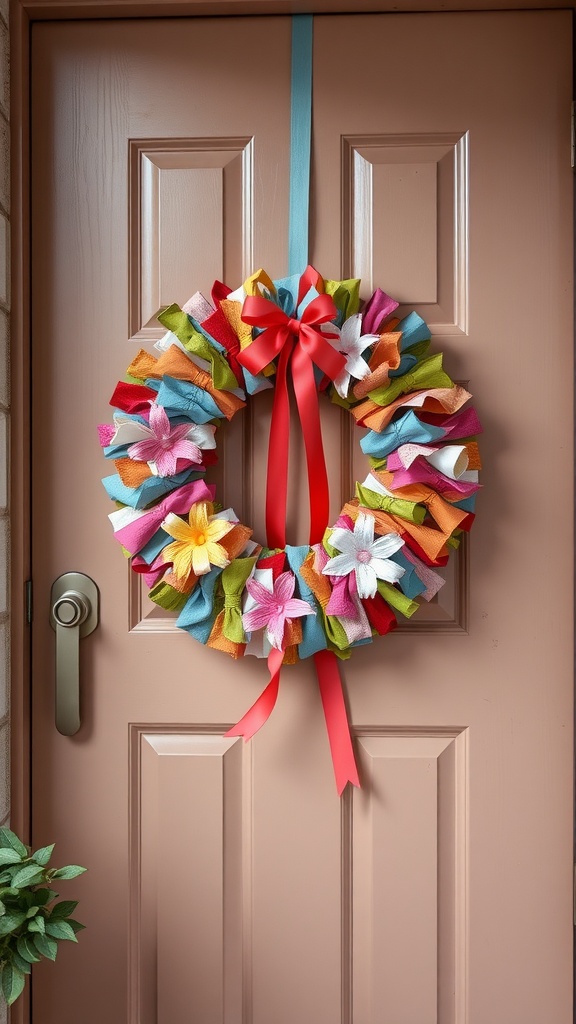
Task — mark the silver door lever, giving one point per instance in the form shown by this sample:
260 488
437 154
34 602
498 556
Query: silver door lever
73 614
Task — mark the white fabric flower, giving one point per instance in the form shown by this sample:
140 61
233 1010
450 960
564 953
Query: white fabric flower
351 343
366 557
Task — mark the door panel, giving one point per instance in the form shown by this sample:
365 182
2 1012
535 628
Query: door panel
227 882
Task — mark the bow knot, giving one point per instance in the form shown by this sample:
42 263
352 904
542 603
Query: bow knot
396 506
279 328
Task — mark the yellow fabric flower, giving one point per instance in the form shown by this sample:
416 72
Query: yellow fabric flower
196 547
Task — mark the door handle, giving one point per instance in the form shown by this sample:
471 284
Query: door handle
74 604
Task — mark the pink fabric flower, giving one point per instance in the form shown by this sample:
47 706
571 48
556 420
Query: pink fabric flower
166 444
274 608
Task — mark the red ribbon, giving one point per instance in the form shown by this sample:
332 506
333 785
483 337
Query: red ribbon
330 684
328 674
263 707
300 345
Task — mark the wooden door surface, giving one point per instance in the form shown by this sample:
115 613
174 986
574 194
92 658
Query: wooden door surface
227 883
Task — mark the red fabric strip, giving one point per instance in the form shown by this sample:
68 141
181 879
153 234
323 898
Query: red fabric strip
218 328
379 614
132 398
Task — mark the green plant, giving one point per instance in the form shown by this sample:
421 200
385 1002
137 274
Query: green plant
31 923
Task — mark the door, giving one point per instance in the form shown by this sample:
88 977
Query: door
227 883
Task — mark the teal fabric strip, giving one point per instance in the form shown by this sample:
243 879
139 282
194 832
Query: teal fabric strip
300 139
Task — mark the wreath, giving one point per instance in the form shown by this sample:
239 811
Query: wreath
378 560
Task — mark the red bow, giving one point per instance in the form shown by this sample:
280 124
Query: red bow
300 344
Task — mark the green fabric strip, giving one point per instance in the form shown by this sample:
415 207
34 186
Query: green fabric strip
397 600
175 320
425 375
233 582
346 295
166 597
409 510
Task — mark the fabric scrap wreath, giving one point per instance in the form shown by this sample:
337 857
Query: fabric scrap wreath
354 577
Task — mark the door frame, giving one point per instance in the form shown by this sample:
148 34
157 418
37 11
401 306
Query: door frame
23 14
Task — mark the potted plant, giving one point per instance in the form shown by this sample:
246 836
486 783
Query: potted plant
32 923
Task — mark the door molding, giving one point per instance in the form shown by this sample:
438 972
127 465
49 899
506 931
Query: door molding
23 15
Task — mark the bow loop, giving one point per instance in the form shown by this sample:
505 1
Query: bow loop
278 328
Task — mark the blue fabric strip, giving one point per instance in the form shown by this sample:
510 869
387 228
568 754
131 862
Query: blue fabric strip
300 138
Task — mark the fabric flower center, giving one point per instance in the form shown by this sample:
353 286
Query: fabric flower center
364 556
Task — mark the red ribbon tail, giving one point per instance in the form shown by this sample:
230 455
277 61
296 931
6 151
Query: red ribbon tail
307 401
263 707
278 448
337 725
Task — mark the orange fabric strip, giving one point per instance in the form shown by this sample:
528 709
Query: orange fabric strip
447 517
219 642
437 400
131 473
175 363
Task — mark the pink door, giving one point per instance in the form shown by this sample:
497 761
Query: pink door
227 882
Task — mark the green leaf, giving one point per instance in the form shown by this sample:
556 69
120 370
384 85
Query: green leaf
70 871
37 924
27 950
60 930
10 871
63 909
48 947
10 857
8 840
2 909
11 921
29 875
43 856
43 896
13 982
75 925
21 964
